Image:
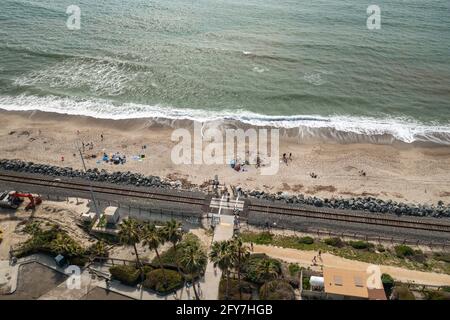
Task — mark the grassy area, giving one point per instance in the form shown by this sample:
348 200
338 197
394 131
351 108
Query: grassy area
401 256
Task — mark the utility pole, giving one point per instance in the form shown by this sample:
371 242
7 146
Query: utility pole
90 185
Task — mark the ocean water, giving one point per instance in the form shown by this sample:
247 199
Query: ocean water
288 63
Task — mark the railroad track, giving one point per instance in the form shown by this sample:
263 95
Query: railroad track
106 190
440 226
281 210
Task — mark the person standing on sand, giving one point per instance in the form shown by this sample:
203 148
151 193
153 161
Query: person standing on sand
285 160
290 156
101 136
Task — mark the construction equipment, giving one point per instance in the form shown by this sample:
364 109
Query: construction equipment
13 199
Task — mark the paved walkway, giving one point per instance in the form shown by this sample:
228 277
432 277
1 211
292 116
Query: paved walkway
211 280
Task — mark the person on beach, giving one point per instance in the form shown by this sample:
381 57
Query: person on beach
62 158
101 136
285 159
290 156
258 161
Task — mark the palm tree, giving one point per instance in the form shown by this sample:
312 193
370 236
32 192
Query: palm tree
267 269
193 260
153 238
241 253
173 233
222 256
130 233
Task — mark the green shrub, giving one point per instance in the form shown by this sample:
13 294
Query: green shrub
276 290
360 245
251 268
233 290
305 283
264 238
437 295
306 240
294 268
388 283
52 241
334 242
126 274
403 251
170 257
403 293
380 248
98 249
155 281
446 288
442 256
79 261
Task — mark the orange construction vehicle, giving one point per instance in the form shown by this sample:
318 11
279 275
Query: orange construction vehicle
12 199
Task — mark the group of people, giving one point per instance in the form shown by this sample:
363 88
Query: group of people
115 158
314 260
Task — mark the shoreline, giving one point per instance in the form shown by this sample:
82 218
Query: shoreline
403 172
300 128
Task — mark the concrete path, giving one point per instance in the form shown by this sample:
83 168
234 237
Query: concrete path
211 280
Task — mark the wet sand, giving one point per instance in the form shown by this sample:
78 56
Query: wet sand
406 173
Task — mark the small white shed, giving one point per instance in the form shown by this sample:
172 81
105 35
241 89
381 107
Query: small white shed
112 215
316 282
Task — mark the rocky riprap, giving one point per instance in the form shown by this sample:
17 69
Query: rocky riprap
368 204
126 178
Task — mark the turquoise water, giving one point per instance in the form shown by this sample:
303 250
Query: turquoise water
281 62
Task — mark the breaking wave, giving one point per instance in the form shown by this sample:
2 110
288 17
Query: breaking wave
337 127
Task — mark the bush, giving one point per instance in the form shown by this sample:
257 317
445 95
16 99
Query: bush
294 268
437 295
52 241
388 283
403 293
442 256
98 249
250 268
446 288
360 245
233 289
276 290
306 240
380 248
305 283
334 242
155 281
403 251
126 274
170 257
264 238
79 261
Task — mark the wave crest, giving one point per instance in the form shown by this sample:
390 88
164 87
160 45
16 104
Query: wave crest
341 128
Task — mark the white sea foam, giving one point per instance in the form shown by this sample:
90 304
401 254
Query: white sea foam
100 77
405 130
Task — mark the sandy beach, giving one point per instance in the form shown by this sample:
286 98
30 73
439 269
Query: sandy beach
404 173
